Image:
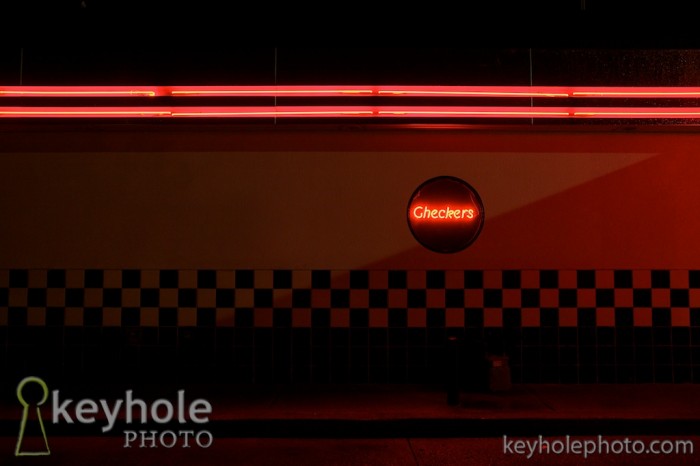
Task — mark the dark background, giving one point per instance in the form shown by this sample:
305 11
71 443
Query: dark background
94 64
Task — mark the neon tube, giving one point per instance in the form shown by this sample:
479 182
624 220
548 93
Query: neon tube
271 91
80 91
83 112
352 112
637 92
274 112
444 213
386 91
352 91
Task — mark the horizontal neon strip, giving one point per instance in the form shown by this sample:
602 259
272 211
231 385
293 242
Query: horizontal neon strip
351 91
349 112
475 91
638 113
474 112
272 91
543 112
83 112
80 91
279 112
637 92
406 91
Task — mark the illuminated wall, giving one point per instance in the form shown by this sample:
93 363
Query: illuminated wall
283 254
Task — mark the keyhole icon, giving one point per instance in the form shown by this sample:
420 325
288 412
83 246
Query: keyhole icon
19 451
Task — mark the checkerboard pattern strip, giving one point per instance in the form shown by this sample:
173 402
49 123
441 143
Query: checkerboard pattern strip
349 298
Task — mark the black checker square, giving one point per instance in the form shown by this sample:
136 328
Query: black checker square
301 298
641 297
623 278
112 297
320 279
36 297
340 298
187 297
454 298
359 279
511 279
94 278
473 279
282 279
549 279
605 297
75 297
131 278
150 297
661 279
206 279
56 278
680 297
19 278
416 298
585 279
435 279
245 279
530 297
694 278
493 297
225 298
398 279
169 278
263 297
378 298
4 297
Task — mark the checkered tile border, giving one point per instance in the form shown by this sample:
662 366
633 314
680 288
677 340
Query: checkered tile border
349 298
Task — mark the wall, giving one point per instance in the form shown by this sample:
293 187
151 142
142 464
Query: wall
283 255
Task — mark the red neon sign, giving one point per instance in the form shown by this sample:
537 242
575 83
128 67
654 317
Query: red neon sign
445 214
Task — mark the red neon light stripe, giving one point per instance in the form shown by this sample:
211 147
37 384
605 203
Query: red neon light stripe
638 112
281 112
185 91
271 91
81 91
206 112
351 112
406 91
637 92
475 91
351 91
474 112
83 112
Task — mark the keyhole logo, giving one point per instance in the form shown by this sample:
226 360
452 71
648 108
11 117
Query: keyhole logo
19 450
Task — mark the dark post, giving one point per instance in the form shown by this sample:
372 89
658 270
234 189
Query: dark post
452 369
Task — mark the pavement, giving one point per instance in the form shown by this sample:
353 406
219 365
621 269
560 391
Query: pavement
314 425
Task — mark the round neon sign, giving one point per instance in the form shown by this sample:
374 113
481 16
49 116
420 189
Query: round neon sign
445 214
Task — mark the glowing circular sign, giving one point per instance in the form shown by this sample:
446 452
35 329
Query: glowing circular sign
445 214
